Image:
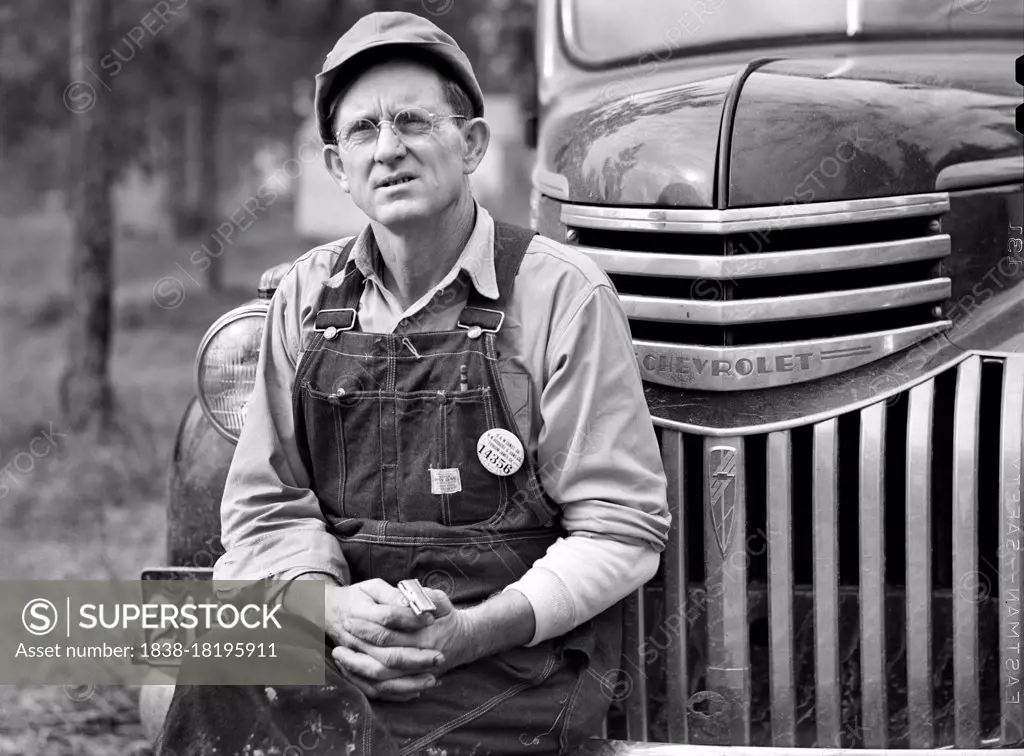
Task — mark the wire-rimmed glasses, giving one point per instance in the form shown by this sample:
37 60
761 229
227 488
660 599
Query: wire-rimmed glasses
407 125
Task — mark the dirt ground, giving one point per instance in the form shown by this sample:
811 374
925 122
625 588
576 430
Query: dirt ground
85 507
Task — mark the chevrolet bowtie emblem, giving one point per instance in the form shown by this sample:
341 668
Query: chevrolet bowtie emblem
722 493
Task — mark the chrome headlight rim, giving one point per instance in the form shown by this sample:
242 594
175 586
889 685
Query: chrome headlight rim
257 307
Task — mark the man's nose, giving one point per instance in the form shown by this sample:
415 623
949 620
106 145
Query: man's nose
389 146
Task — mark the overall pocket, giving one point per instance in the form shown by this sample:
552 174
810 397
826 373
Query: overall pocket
445 469
325 439
352 452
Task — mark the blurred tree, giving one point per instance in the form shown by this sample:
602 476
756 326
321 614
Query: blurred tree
86 395
202 114
32 49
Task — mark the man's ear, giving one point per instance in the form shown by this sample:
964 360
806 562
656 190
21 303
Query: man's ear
336 166
477 133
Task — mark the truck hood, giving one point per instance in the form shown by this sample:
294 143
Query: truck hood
821 129
643 138
803 129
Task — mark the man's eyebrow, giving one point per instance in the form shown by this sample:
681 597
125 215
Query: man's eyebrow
373 114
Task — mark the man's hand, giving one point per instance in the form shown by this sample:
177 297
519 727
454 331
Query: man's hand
446 634
393 673
381 670
459 636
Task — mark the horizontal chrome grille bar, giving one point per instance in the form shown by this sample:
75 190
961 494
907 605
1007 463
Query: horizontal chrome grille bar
771 309
746 367
739 220
854 256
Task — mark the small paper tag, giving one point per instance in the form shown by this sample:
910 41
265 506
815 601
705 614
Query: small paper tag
445 481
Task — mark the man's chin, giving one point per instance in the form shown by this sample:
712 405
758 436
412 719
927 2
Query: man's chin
403 212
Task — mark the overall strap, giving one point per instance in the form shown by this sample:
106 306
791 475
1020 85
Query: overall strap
338 307
510 245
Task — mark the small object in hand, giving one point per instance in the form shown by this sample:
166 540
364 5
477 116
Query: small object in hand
418 599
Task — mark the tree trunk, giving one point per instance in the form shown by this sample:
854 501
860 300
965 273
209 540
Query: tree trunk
176 157
86 395
3 125
201 117
209 110
193 218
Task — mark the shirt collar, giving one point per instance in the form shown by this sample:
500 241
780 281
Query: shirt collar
476 260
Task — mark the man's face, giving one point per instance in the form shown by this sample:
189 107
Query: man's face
435 165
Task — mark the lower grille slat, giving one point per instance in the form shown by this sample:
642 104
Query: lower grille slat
966 577
634 637
920 709
780 589
676 582
874 687
826 584
1011 569
728 669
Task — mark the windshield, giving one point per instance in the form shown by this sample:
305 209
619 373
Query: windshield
606 30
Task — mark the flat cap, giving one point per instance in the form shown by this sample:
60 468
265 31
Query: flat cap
376 31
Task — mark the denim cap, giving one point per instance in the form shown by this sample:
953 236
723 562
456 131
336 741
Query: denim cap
391 29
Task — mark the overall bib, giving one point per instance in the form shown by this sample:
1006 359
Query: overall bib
388 426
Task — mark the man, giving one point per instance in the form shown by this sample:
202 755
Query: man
442 398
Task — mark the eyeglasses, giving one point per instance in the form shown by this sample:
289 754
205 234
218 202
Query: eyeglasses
408 125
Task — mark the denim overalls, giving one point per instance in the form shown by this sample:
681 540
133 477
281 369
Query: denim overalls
389 426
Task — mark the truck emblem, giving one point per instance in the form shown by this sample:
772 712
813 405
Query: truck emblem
722 493
739 368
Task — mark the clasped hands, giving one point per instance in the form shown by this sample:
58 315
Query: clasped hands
387 650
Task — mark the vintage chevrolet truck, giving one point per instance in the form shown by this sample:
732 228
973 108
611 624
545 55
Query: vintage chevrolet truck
812 211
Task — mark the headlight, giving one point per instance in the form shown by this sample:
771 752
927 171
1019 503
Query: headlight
226 367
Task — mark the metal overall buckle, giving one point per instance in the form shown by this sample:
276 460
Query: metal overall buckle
474 331
331 331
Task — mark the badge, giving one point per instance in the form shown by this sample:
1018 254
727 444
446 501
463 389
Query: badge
500 452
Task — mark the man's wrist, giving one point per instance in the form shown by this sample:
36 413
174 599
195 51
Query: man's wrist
502 622
288 597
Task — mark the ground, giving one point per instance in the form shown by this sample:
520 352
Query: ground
75 506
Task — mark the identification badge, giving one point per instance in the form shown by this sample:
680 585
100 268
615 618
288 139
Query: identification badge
500 452
445 481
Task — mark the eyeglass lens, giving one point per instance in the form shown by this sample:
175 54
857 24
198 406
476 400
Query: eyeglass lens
408 124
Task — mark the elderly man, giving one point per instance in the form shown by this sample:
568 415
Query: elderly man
441 397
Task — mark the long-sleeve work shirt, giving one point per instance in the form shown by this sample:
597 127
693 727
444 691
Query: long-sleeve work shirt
568 367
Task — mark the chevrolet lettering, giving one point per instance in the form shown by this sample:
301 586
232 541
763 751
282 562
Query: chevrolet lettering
743 366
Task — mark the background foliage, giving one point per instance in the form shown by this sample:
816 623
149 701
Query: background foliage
266 54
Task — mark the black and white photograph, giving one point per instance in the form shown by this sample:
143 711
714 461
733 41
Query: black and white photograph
511 377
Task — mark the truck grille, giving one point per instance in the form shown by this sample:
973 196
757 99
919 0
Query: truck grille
747 298
855 582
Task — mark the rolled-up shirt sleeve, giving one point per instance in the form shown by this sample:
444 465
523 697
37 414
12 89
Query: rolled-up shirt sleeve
271 521
598 458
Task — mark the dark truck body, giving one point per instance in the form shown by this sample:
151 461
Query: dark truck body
818 243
